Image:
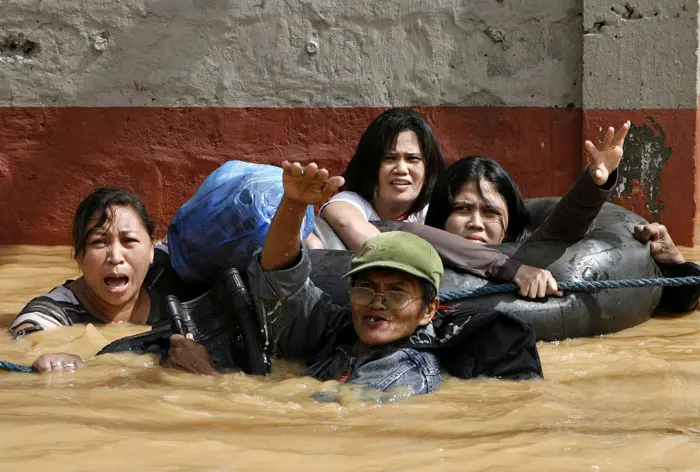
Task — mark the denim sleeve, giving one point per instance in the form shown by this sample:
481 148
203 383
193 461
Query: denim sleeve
300 318
419 371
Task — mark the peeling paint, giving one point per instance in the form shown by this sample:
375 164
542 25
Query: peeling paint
645 154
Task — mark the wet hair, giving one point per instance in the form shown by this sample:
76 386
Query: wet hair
362 172
429 292
473 169
97 203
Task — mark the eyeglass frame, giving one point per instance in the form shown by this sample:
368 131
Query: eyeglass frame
385 300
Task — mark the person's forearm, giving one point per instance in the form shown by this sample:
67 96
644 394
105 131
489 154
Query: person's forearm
466 255
349 224
283 243
576 211
355 235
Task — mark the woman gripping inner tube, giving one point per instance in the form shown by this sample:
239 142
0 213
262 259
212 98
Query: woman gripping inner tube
476 202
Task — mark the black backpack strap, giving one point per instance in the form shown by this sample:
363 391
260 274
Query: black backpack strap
223 320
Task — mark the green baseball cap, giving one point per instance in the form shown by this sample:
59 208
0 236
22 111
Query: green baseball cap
401 251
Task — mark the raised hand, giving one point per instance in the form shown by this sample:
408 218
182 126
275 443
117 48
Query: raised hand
605 159
309 184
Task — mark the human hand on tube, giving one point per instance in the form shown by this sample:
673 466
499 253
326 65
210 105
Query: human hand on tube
186 354
535 282
663 249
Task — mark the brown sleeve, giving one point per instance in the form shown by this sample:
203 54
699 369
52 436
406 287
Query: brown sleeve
576 211
465 255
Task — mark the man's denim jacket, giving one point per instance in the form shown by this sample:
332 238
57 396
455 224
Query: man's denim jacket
306 325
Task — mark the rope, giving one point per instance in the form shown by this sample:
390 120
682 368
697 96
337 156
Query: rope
12 367
571 286
450 296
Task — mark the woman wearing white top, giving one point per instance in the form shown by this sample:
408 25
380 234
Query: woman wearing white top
390 177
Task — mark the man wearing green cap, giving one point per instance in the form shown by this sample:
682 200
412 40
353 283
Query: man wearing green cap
385 338
395 280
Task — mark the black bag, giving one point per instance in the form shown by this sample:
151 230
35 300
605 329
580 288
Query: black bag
681 299
482 343
223 320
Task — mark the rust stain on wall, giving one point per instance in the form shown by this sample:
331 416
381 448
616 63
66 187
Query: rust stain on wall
646 153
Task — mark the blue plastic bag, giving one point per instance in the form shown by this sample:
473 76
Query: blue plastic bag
226 220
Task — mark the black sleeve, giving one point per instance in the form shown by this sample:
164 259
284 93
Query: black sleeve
464 255
576 211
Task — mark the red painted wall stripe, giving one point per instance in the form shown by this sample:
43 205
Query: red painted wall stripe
51 157
657 132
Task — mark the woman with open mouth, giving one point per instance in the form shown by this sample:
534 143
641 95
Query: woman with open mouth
390 177
114 248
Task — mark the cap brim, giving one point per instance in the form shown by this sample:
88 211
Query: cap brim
389 265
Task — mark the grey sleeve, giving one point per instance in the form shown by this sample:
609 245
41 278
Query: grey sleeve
299 317
465 255
576 211
37 319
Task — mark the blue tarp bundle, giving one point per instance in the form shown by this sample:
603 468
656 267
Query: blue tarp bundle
226 220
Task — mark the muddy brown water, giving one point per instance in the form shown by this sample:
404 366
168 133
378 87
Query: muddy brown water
628 401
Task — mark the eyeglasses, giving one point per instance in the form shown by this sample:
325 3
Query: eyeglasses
393 299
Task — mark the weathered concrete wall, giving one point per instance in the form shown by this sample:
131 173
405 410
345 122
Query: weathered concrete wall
262 81
260 53
640 55
640 63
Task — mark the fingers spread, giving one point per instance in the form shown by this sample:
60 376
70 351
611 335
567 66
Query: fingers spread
607 139
336 181
322 174
619 138
593 153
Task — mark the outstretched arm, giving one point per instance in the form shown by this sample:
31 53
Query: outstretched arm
303 186
349 224
477 259
574 214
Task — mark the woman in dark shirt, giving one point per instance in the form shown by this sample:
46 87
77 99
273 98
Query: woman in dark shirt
476 202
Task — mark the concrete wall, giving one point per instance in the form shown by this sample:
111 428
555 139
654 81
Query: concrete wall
262 53
640 62
153 95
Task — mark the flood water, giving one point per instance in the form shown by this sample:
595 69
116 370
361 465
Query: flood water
628 401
